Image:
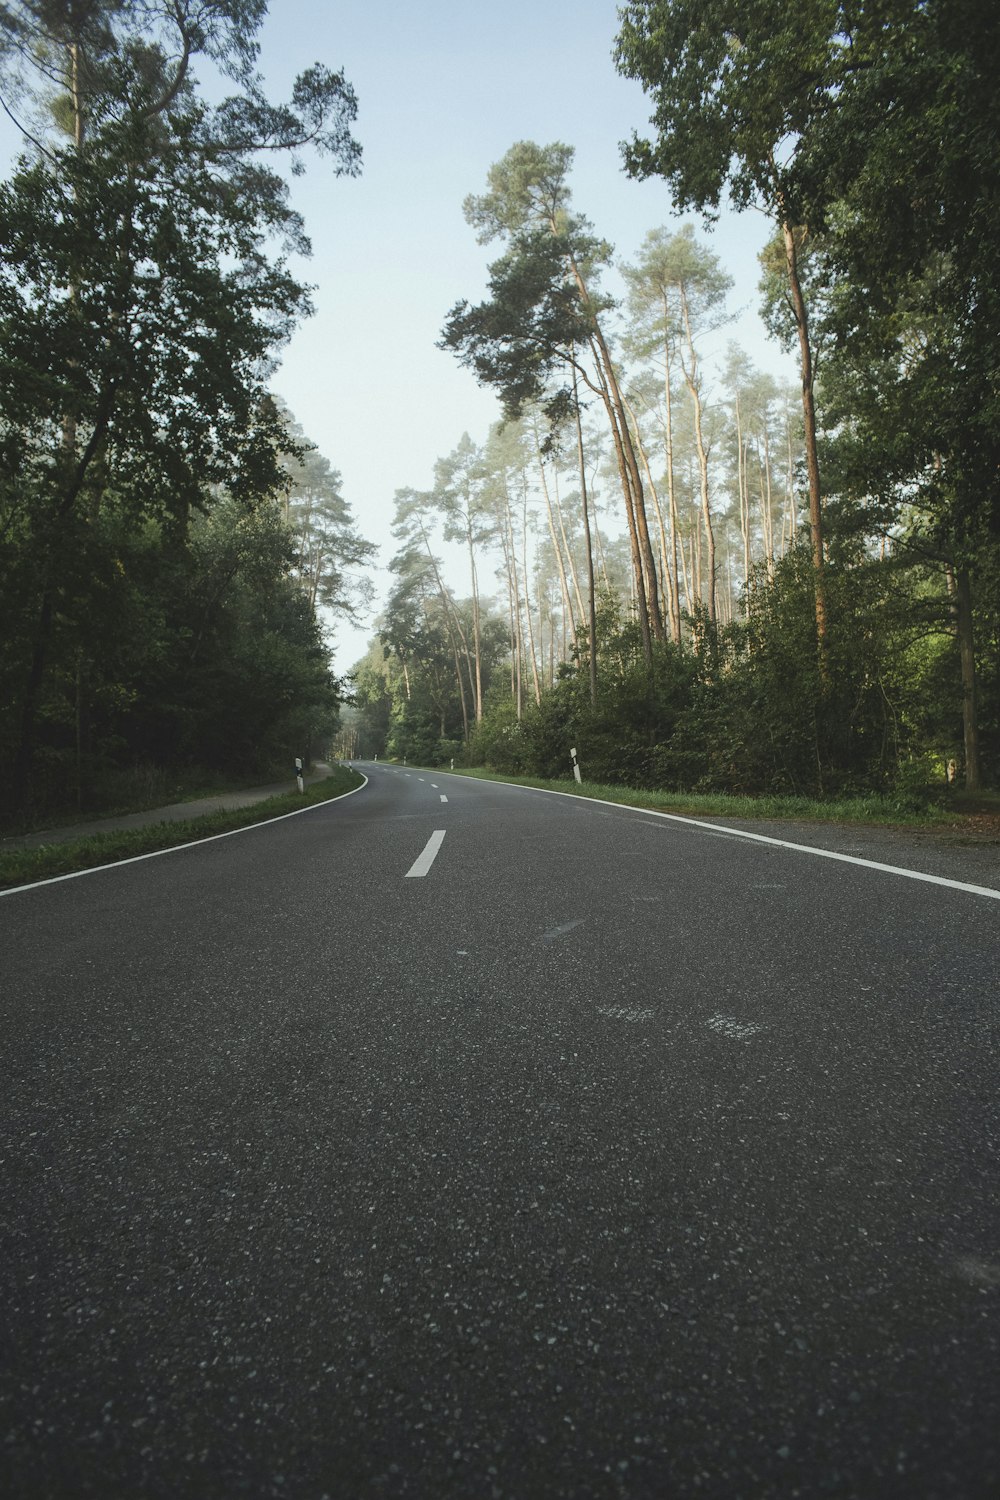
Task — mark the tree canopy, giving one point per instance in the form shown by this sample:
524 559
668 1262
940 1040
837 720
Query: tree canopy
144 290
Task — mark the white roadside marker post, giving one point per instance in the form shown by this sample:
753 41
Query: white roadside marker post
298 774
576 766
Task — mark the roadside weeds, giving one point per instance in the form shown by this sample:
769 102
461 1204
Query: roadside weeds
872 810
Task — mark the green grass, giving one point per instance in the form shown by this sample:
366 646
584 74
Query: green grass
21 866
871 809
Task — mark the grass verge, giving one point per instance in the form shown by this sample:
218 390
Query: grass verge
871 809
139 790
22 866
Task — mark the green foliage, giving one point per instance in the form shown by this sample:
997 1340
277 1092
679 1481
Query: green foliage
538 315
328 550
200 653
147 591
412 733
744 709
734 84
527 330
873 130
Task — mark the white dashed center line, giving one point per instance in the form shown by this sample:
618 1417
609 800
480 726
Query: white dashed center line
422 865
443 797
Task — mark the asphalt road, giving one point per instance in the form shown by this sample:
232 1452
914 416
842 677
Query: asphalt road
575 1153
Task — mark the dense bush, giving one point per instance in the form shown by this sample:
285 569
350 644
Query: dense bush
747 708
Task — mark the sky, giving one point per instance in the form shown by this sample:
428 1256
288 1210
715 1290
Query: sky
444 88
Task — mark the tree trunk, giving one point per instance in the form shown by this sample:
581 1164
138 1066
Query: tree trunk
669 577
768 504
744 499
793 519
640 561
809 415
449 615
602 559
648 591
475 626
518 634
764 494
592 603
633 479
638 577
527 596
962 610
563 584
691 377
581 612
668 434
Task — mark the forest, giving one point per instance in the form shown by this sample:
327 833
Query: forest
696 576
170 540
707 580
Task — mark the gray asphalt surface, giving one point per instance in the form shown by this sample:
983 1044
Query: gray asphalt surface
612 1157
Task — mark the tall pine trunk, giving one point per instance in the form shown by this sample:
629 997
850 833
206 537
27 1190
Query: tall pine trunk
591 601
809 414
694 387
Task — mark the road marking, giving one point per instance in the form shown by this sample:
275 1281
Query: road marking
192 844
420 778
764 838
980 1272
434 785
443 797
558 932
739 1031
422 865
624 1013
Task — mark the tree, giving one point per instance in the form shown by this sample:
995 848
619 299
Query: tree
903 185
458 494
139 301
507 462
543 318
736 85
687 286
410 526
328 546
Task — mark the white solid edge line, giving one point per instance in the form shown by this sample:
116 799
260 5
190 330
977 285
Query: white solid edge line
760 838
422 865
133 859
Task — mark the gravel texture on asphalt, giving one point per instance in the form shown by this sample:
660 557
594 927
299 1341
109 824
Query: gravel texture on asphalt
612 1158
